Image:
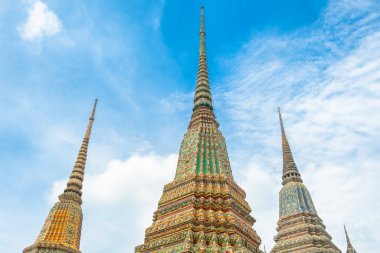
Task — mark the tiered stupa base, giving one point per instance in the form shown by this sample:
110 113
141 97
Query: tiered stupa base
48 248
206 213
303 233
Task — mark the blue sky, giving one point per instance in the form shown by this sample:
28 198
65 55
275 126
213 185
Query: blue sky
319 60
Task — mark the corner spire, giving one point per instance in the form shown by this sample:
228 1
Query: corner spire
350 248
75 182
202 19
203 108
347 238
290 171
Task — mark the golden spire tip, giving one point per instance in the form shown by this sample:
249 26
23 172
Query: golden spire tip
94 109
280 116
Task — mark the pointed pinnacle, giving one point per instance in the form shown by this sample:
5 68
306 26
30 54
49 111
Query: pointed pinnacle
203 108
290 171
350 248
347 237
202 95
202 30
94 109
91 119
74 184
281 123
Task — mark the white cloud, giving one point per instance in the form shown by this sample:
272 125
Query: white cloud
261 186
120 200
157 15
175 102
328 85
327 81
41 22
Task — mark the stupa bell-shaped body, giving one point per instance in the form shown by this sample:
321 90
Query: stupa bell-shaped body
61 231
203 209
300 230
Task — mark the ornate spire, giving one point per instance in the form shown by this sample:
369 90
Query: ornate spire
290 171
203 108
75 183
62 229
203 149
350 248
202 209
299 228
347 238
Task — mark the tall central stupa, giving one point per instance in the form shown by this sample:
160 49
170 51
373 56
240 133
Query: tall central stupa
202 209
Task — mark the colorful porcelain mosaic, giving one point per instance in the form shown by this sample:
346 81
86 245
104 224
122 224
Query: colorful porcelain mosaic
210 210
295 198
203 151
